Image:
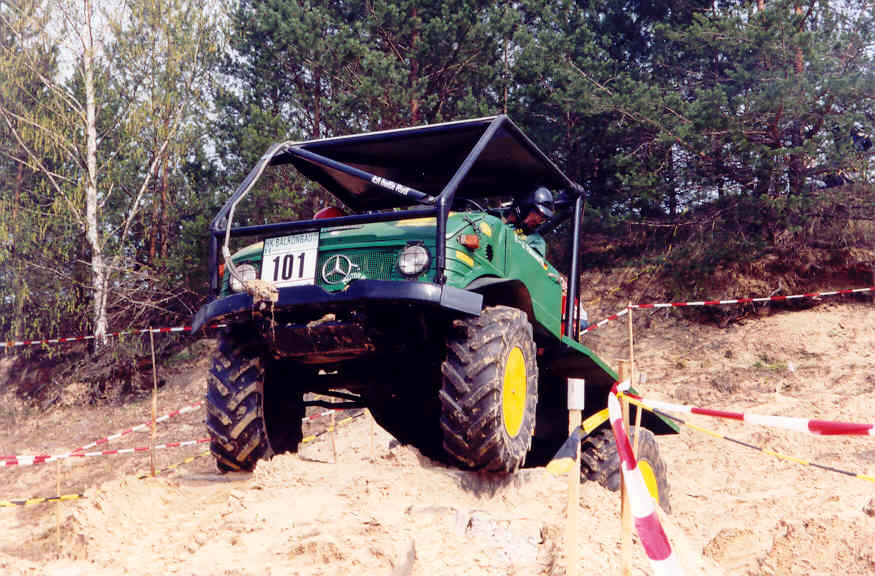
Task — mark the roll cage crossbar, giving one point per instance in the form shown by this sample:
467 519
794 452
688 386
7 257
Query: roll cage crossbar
500 152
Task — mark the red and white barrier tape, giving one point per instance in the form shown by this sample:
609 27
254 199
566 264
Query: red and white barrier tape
45 458
751 300
653 538
144 427
816 427
590 328
166 330
320 415
763 449
25 460
811 295
13 343
107 439
600 323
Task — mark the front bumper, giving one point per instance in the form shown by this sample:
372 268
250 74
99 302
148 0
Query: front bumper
424 293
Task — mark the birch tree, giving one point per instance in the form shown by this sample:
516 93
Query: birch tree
126 82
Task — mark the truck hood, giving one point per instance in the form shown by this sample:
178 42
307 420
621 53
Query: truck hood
375 234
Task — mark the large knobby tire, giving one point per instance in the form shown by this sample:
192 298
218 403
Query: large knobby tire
600 461
234 405
490 390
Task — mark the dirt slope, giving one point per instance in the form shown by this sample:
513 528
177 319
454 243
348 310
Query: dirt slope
734 510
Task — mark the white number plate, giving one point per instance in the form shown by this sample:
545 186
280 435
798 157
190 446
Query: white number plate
290 260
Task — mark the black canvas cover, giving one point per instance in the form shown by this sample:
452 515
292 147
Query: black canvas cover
426 158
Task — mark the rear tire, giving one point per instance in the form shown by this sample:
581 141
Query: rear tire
490 390
600 461
234 405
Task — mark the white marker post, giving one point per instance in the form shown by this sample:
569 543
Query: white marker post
625 511
626 567
575 408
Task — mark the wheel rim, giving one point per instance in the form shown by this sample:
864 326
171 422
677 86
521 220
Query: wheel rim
513 392
649 479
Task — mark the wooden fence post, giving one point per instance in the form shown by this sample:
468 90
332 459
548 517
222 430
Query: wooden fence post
333 438
154 404
576 401
58 512
371 435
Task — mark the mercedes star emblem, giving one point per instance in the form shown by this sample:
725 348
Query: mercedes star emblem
337 269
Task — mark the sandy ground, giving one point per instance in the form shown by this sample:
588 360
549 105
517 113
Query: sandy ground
734 510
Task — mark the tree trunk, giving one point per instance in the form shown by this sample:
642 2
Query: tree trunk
18 314
796 174
92 232
672 185
413 76
153 236
165 203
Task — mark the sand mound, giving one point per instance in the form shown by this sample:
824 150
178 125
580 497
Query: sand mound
735 511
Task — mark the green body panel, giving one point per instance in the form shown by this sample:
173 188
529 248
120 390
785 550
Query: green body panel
571 343
374 248
540 277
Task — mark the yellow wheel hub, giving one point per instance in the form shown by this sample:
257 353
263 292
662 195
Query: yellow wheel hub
513 392
649 479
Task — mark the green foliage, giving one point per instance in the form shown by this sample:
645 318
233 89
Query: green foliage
305 70
39 287
150 81
666 107
712 128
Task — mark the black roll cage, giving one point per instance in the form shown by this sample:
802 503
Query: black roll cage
436 206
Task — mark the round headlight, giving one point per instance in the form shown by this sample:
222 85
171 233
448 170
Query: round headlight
413 260
247 272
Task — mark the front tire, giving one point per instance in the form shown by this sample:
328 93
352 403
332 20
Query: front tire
490 390
234 404
600 461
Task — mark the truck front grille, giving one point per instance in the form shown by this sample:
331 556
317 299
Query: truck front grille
372 263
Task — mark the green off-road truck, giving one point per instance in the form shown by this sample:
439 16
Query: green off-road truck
415 299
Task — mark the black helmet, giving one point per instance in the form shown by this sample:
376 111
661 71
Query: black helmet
541 199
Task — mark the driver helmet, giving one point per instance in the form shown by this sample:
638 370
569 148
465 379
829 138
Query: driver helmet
540 199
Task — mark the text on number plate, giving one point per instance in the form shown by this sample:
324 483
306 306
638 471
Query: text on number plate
290 260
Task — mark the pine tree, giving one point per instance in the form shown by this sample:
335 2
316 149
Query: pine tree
303 70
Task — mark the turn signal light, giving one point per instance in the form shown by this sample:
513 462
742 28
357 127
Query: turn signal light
470 241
